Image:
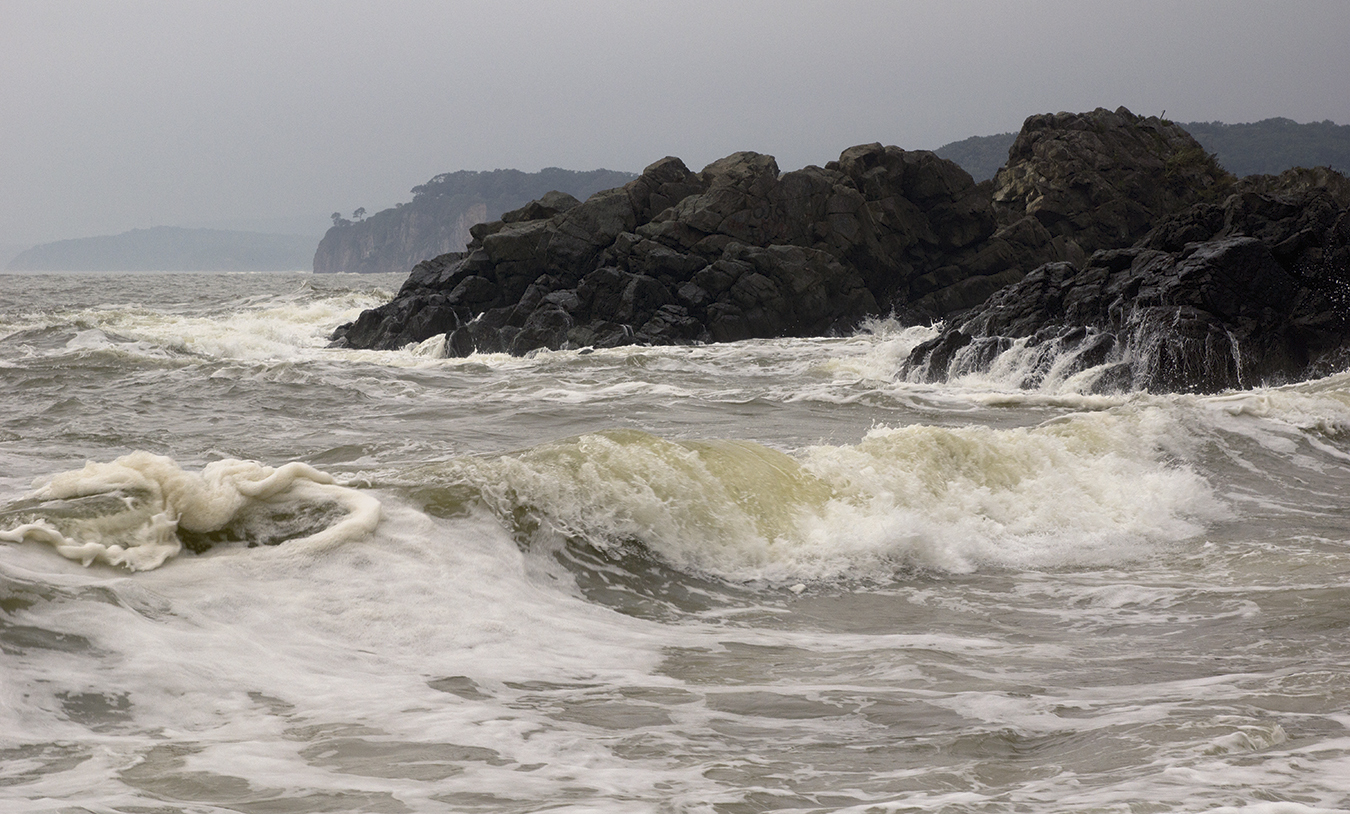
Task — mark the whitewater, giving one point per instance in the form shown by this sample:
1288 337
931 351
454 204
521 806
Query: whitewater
242 571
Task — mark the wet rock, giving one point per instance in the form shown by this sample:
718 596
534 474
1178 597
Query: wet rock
1254 290
735 251
1109 243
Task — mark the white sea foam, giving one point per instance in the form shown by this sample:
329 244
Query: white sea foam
154 501
1090 488
1321 406
442 665
279 326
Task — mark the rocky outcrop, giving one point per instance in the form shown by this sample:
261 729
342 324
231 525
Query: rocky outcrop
1101 180
1252 290
736 251
1150 266
439 217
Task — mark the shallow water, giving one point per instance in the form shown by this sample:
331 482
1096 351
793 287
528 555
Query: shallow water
751 577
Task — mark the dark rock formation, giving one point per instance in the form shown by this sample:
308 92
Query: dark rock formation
736 251
1153 267
438 218
1102 179
1255 289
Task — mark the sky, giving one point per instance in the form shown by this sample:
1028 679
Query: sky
271 114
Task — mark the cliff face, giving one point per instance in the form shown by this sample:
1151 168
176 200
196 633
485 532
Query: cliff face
438 218
397 239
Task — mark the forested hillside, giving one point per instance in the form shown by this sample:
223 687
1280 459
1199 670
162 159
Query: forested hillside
1272 146
438 218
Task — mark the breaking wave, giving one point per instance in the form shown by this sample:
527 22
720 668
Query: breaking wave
1087 489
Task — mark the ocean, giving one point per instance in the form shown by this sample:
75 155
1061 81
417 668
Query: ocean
241 571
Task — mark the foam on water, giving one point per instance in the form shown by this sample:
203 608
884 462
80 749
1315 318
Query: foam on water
137 510
920 645
282 326
432 669
1089 488
1321 406
427 661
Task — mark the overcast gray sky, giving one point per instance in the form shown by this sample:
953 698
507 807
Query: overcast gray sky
120 115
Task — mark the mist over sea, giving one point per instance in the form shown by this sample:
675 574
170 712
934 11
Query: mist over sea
243 572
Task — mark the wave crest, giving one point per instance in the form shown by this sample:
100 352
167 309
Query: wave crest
1092 488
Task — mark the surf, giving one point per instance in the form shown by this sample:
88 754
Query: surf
1091 488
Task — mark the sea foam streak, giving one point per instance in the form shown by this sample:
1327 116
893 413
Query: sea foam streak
1090 488
139 510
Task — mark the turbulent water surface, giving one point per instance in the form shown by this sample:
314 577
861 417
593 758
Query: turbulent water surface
243 572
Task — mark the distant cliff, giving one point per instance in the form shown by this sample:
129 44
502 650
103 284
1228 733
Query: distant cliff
1267 147
438 218
169 248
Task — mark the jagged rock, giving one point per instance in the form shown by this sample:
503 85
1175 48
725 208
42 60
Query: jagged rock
1214 297
1101 179
736 251
1149 265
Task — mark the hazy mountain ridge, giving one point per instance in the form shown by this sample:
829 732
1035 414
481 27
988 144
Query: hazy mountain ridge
170 248
442 210
437 219
1266 147
1271 146
981 156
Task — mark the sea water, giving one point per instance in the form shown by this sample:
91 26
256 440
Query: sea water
241 571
